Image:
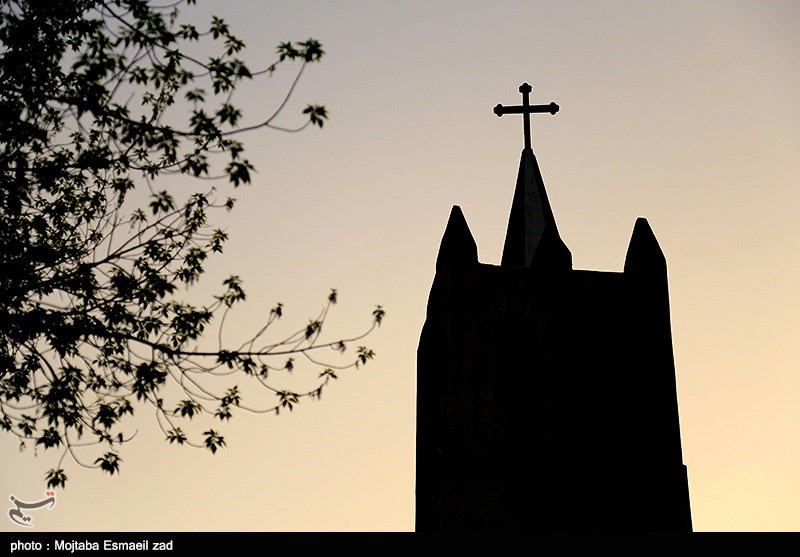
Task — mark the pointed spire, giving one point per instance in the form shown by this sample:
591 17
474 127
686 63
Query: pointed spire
532 238
644 254
458 247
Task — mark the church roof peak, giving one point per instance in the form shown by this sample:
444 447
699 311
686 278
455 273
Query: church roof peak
532 238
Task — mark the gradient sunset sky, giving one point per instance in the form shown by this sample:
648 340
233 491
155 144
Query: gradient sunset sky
685 113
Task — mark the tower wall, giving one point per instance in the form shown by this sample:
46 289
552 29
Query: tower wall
546 396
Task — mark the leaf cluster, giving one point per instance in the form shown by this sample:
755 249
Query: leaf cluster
99 98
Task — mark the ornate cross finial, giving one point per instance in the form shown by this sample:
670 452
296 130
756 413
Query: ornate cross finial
526 110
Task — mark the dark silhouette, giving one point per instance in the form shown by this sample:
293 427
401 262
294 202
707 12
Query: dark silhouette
546 396
98 99
526 110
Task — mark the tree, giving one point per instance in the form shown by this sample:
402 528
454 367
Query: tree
100 98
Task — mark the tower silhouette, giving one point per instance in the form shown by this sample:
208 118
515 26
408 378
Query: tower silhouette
546 396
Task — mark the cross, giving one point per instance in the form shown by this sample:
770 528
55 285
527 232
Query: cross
526 110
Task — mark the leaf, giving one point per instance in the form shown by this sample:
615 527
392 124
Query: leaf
223 413
312 50
109 462
328 373
162 202
232 397
195 95
229 113
364 354
287 400
106 415
313 328
235 293
56 478
287 50
213 440
378 314
317 114
239 172
187 408
50 438
176 435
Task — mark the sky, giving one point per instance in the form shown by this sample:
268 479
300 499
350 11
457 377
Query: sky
682 112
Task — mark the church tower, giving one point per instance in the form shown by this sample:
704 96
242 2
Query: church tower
546 396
